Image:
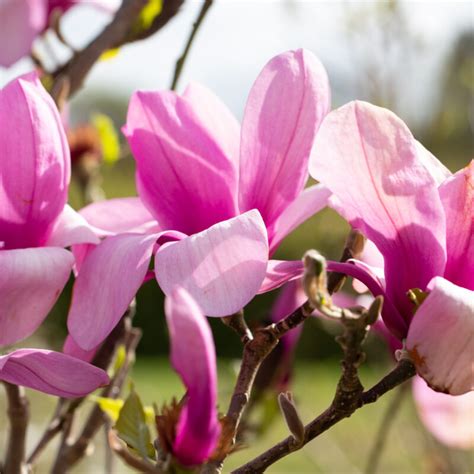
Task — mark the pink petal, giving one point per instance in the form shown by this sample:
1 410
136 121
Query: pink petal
222 268
285 107
35 165
448 418
51 372
108 280
193 357
74 350
457 195
369 159
438 171
280 272
71 228
217 118
30 283
115 216
184 176
308 203
21 22
440 338
374 261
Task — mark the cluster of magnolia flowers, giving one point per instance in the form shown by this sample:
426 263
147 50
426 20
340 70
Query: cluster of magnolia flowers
215 199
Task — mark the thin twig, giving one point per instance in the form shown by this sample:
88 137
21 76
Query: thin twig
18 416
181 60
384 429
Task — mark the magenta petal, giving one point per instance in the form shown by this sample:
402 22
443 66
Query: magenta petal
71 228
51 372
184 176
109 278
30 283
115 216
440 338
21 22
457 195
285 107
395 201
447 417
193 357
74 350
222 268
34 163
308 203
279 272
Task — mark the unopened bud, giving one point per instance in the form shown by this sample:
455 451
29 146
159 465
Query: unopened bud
292 418
315 278
375 309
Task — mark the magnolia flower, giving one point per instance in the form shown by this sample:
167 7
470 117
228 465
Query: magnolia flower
420 218
229 194
35 221
51 372
193 357
21 21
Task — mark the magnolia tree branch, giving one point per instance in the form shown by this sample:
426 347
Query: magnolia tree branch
68 79
18 416
181 60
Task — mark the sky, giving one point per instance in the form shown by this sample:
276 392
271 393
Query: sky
239 36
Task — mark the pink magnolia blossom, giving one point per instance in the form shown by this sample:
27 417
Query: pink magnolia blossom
193 357
227 194
51 372
420 218
21 21
35 221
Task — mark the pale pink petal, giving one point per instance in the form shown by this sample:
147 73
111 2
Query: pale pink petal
51 372
20 22
457 195
440 338
184 176
222 268
308 203
71 228
30 282
109 6
108 280
285 107
217 118
74 350
374 260
194 358
369 159
449 418
438 171
115 216
280 272
34 163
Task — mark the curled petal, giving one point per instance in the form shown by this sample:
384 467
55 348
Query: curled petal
184 176
33 189
30 282
21 22
51 372
116 216
285 107
222 267
308 203
280 272
440 338
396 202
447 417
457 195
109 278
193 357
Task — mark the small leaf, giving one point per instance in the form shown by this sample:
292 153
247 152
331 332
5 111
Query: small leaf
149 12
109 406
132 428
120 358
109 54
109 140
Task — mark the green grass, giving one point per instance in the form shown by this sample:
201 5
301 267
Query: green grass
343 449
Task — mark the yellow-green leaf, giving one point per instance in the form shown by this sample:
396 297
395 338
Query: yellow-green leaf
109 54
109 406
149 12
109 139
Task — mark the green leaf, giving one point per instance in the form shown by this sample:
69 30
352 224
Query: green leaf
132 428
109 406
109 139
